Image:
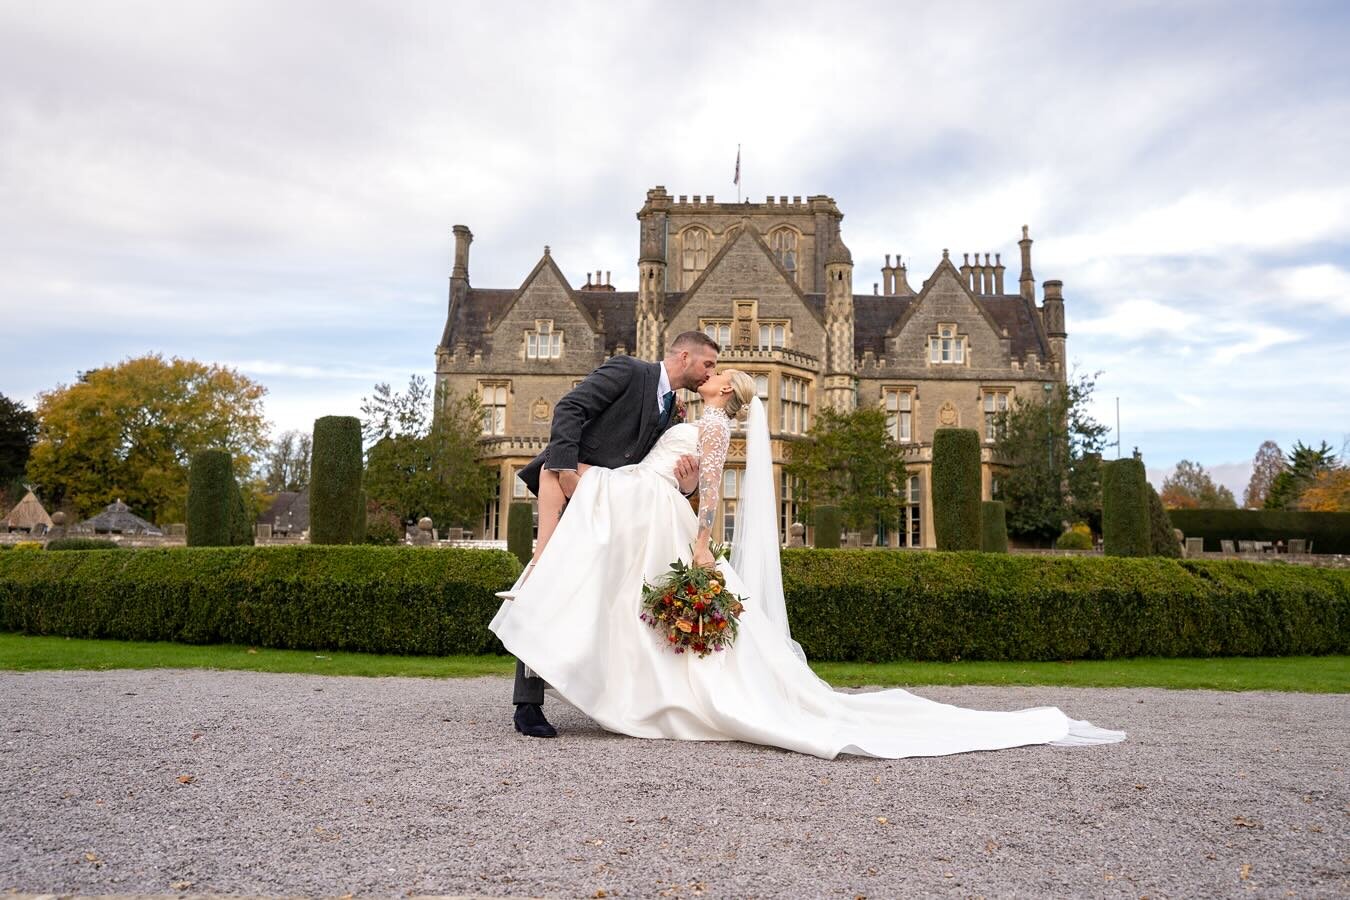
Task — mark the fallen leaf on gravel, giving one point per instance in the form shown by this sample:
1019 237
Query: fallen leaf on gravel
601 893
1140 787
196 735
1245 872
882 820
596 843
948 874
186 779
1316 829
91 857
1243 822
990 846
180 885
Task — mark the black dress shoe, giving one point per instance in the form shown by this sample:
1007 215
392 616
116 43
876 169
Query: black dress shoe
530 721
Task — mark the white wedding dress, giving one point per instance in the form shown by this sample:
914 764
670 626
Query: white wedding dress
575 623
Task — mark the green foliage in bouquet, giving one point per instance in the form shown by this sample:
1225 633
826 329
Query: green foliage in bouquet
693 609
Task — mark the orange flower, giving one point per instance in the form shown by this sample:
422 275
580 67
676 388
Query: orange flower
685 625
715 588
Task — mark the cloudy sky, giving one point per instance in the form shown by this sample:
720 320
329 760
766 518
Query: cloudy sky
272 185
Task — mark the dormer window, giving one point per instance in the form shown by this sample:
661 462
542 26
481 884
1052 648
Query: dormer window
694 258
543 342
783 242
947 347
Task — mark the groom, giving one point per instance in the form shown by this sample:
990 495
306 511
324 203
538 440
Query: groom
612 419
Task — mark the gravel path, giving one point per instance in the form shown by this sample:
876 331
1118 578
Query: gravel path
162 781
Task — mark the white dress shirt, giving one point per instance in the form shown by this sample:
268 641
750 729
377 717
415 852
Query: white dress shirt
662 388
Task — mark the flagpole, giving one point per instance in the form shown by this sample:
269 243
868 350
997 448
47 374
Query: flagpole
738 173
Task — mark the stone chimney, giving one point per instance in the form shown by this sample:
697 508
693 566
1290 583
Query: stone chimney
1026 280
463 238
594 282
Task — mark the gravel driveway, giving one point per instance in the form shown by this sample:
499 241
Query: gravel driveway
198 781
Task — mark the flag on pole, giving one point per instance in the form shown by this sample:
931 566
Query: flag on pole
737 179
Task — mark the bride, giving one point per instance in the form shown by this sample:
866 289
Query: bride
575 622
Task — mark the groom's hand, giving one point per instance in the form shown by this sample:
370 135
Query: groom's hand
567 480
686 473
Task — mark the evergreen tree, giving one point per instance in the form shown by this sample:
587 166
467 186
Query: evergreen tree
850 461
1052 447
1191 487
1305 464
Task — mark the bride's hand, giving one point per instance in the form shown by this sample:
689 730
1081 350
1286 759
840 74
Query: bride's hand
703 557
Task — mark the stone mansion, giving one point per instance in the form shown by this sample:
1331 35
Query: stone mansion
772 283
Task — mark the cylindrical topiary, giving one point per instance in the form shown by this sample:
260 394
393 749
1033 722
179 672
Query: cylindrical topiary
241 523
993 527
956 489
210 500
1125 528
362 512
520 531
828 527
335 480
1162 539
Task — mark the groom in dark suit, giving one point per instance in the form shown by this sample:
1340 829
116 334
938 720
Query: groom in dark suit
611 419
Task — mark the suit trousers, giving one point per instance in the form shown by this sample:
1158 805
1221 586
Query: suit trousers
529 688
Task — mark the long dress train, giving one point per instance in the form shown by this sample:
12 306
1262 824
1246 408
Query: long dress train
575 623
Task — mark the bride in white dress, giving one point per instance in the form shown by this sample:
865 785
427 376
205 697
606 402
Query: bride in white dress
575 622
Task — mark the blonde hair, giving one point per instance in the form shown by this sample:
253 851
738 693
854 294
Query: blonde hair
742 390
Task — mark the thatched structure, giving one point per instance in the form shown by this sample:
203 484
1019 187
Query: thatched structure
117 518
28 516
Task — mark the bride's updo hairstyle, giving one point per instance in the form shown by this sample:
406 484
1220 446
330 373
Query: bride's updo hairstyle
742 389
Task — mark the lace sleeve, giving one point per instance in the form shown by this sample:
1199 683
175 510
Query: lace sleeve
714 434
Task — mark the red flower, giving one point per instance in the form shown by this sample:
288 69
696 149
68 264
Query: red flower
690 590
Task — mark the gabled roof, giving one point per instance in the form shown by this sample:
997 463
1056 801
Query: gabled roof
943 267
545 262
289 511
746 228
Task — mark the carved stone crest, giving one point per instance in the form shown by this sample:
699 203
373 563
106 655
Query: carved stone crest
947 415
539 410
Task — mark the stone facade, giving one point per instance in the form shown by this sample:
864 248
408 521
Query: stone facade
772 282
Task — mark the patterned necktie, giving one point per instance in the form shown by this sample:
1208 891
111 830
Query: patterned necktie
667 406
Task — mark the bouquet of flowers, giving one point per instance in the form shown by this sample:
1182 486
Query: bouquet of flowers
692 608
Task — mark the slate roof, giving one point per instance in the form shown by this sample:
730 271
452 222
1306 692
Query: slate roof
874 315
117 518
289 511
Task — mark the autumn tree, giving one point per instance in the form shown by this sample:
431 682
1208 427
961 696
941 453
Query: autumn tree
1328 492
1304 465
1052 448
130 430
424 462
1191 487
287 463
1266 467
850 461
18 432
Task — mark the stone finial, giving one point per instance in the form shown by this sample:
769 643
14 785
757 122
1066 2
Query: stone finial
547 251
945 254
1026 232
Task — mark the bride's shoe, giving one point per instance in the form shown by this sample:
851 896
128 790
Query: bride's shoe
520 582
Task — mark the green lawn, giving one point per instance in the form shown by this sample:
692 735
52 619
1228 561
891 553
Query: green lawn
1323 674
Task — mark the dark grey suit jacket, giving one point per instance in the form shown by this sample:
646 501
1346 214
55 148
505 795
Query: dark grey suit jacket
609 420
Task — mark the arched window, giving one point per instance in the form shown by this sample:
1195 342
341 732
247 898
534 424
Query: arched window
694 260
783 242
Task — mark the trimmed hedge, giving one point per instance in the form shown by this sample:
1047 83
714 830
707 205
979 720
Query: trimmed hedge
993 527
373 599
1162 538
1079 537
78 543
829 527
1329 532
879 605
335 481
956 489
520 531
1125 524
843 605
